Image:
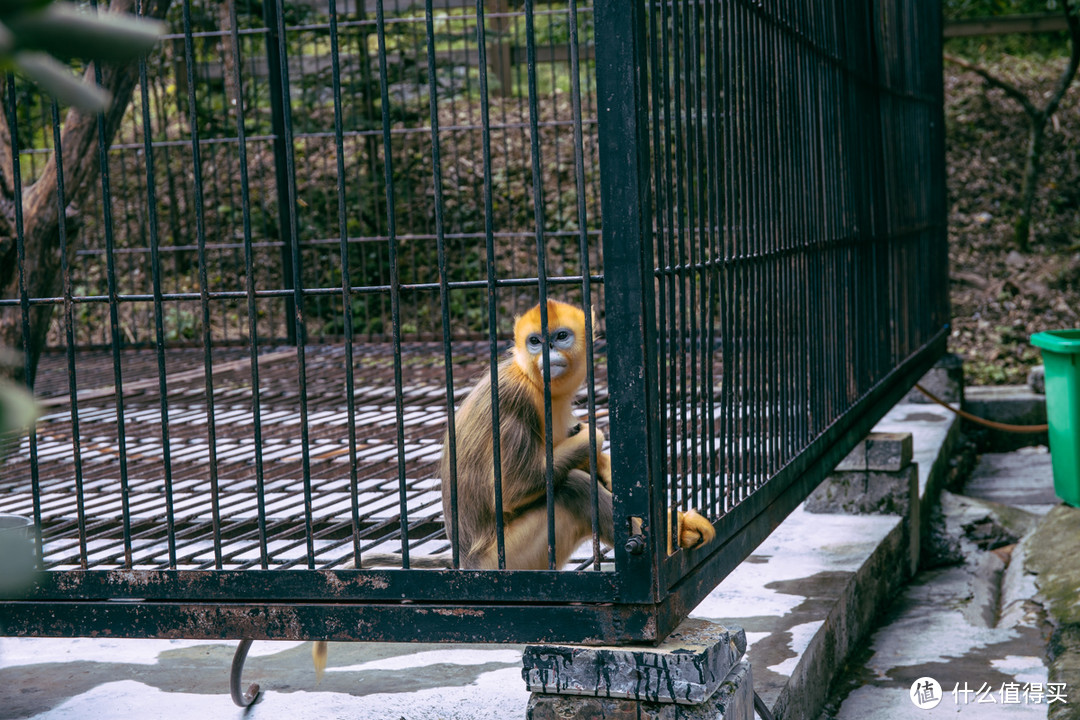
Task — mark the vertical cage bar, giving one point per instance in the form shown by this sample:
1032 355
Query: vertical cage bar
712 120
346 284
761 252
24 305
114 322
395 280
277 80
667 324
204 284
298 317
586 284
790 402
249 288
660 198
492 293
444 292
677 350
938 210
69 335
159 323
738 189
541 274
727 440
695 259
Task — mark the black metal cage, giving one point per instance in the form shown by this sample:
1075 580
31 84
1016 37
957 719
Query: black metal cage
308 240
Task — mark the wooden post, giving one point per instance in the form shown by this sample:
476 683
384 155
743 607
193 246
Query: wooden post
501 61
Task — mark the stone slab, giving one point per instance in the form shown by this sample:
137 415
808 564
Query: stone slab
866 493
1053 557
686 668
945 380
733 700
972 620
1013 404
810 593
1022 479
881 451
1037 379
875 493
936 432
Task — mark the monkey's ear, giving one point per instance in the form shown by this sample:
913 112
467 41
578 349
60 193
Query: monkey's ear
518 319
553 311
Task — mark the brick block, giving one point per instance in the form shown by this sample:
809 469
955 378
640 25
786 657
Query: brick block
881 451
732 700
945 380
866 493
686 668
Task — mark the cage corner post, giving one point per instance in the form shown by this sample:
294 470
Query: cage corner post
631 334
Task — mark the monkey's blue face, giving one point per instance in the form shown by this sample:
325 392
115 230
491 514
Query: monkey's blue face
560 340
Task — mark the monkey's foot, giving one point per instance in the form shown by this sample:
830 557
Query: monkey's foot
694 529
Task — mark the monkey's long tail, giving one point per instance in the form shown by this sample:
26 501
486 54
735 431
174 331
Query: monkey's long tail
319 648
393 560
318 657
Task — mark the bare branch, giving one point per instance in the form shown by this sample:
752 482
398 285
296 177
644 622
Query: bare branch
994 81
1067 77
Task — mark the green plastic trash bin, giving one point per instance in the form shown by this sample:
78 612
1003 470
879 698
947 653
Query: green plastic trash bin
1061 356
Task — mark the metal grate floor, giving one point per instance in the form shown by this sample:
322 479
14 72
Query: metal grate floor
91 518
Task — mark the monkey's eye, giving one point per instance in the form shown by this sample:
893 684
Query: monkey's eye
534 339
562 335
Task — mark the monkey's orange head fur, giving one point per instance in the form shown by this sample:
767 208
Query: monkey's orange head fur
565 341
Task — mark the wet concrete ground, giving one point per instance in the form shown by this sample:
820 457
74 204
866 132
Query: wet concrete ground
975 622
84 678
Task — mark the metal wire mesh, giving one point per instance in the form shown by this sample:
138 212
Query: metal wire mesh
260 518
310 237
233 217
798 227
215 86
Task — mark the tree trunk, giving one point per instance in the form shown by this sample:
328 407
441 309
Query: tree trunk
1032 165
41 208
233 101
